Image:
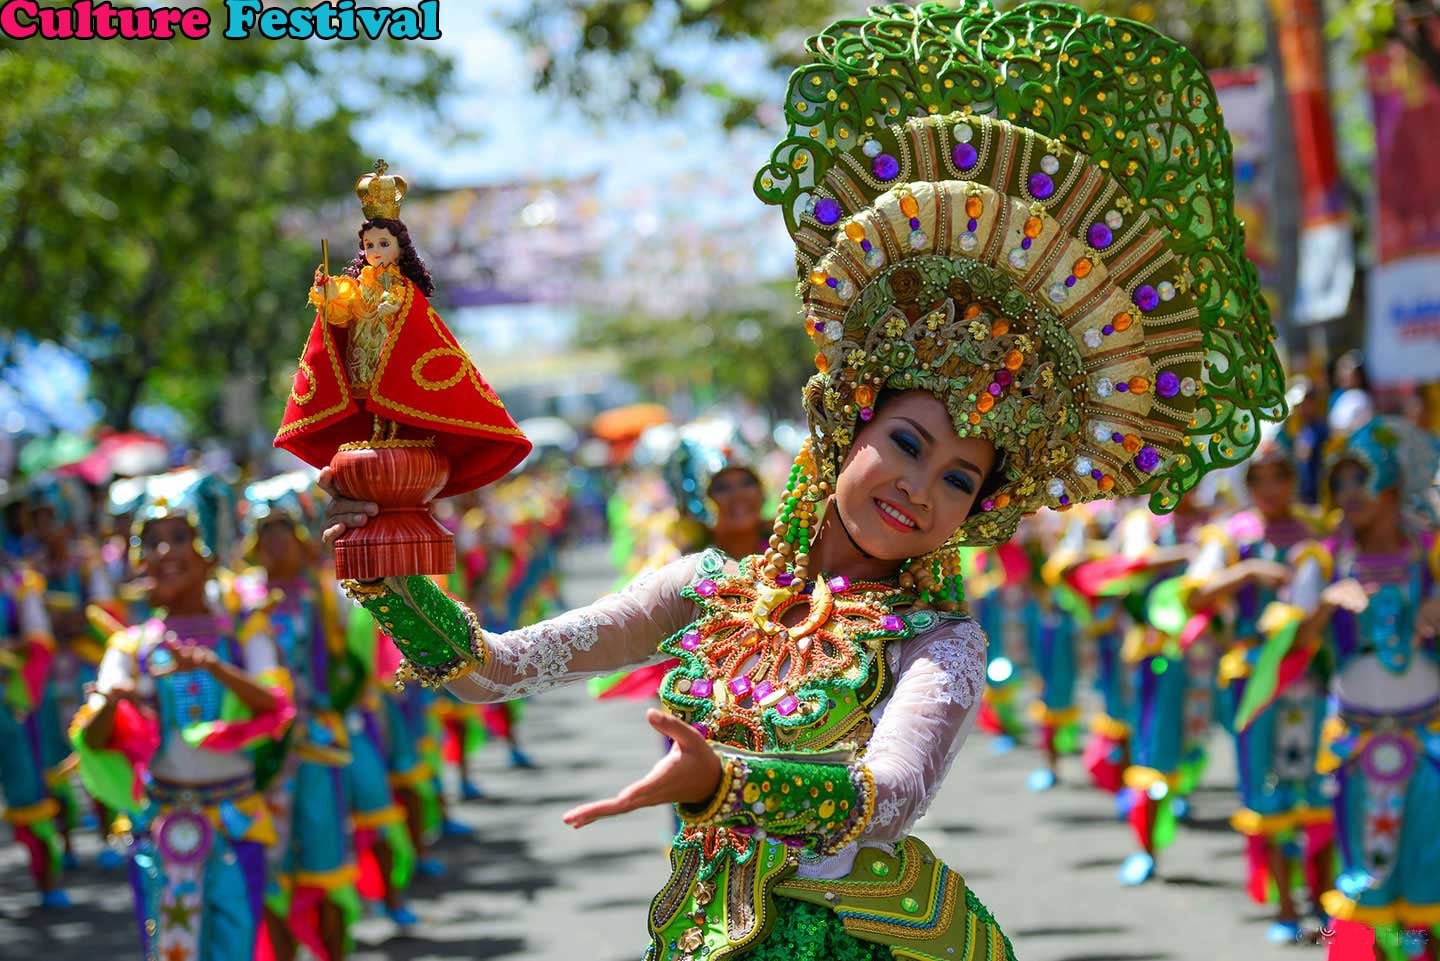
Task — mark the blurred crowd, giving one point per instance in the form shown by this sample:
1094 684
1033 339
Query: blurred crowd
182 676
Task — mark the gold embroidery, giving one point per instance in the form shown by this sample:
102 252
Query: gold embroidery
417 370
339 379
303 368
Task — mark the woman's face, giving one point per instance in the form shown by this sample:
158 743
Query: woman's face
280 550
380 247
1272 488
909 482
168 556
1350 489
737 496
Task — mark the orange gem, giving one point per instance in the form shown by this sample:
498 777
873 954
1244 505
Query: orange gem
1033 226
908 206
974 418
1123 321
1082 268
1013 360
972 312
854 231
1000 328
1131 444
1107 482
1002 501
821 364
1139 385
864 395
818 277
974 207
985 403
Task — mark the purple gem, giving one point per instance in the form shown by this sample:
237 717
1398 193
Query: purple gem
885 167
866 413
706 588
1117 437
1069 281
740 686
1064 500
832 282
1025 244
819 326
788 705
827 210
1148 459
1122 387
1167 384
1041 186
690 640
972 225
891 624
914 223
839 584
989 505
964 156
1100 236
763 689
994 390
793 842
704 729
1146 298
1004 378
701 688
1108 330
865 245
785 579
1096 474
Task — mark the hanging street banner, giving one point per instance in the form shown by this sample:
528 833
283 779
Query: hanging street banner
1403 334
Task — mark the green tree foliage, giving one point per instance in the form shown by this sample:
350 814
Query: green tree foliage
757 350
606 54
145 191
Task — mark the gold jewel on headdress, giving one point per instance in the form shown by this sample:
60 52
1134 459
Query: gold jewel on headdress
380 193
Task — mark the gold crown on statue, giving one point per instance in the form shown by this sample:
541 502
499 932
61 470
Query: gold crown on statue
381 194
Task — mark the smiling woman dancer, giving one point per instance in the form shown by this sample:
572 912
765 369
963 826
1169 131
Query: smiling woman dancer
1022 270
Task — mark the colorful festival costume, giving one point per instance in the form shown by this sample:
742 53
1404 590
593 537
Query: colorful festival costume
1036 274
26 727
1383 742
179 764
314 856
1281 792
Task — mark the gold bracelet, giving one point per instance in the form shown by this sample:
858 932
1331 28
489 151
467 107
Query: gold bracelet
360 591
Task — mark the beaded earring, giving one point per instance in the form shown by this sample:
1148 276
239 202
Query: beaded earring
936 578
787 560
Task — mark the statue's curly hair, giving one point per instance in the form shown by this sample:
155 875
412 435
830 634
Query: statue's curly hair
410 263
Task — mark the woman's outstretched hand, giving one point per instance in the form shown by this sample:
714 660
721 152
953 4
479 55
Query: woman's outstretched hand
342 513
688 774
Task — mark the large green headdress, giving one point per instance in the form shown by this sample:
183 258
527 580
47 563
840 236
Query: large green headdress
1031 215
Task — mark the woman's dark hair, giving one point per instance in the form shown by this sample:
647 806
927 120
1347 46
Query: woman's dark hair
409 263
992 483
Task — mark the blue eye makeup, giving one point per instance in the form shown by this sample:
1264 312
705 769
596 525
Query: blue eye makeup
906 443
961 482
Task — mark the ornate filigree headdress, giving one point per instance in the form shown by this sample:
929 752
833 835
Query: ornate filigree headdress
1031 215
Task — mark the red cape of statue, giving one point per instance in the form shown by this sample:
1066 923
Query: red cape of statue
424 381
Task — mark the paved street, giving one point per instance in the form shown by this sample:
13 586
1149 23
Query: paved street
528 887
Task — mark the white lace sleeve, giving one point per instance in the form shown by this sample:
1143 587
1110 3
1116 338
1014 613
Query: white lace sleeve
616 632
923 724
